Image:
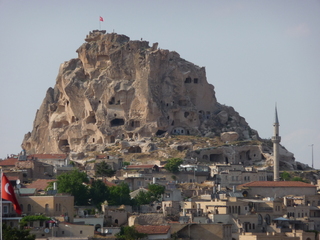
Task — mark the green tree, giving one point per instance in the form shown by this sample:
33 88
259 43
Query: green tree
119 195
299 179
173 164
130 233
126 164
142 198
285 176
104 170
99 192
9 233
73 183
32 218
154 194
155 191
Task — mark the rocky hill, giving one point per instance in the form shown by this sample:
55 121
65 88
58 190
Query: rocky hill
120 91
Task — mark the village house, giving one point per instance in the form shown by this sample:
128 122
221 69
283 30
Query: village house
277 188
228 175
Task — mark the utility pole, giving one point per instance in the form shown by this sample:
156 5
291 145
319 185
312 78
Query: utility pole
311 153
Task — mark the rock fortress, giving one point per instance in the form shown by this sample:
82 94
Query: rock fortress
126 93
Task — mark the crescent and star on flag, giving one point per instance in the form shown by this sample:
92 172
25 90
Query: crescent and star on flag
7 193
6 188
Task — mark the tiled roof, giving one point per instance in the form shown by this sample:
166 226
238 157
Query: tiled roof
40 184
9 162
109 184
152 230
141 166
47 156
12 178
276 184
102 156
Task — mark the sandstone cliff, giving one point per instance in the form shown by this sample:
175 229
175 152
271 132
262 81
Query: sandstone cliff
123 89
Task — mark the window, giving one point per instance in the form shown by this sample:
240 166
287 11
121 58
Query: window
267 218
188 80
5 209
29 208
259 219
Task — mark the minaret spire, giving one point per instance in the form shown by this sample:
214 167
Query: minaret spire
276 140
276 120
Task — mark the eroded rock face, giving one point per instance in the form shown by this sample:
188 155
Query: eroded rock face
122 89
229 136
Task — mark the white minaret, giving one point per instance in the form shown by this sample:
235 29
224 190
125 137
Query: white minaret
276 140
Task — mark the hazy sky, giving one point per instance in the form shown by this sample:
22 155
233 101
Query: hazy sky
256 54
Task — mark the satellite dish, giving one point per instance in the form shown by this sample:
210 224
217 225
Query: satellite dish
46 230
18 181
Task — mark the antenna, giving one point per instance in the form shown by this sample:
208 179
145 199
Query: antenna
311 153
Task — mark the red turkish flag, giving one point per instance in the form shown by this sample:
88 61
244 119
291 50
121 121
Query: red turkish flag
8 193
101 19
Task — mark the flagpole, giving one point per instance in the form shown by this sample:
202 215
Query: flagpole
1 204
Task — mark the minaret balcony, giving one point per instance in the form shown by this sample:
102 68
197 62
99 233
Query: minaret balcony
276 139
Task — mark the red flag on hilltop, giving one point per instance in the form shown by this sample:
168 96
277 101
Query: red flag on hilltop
8 193
101 19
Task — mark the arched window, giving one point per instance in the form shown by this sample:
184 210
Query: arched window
259 219
29 208
267 218
47 208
